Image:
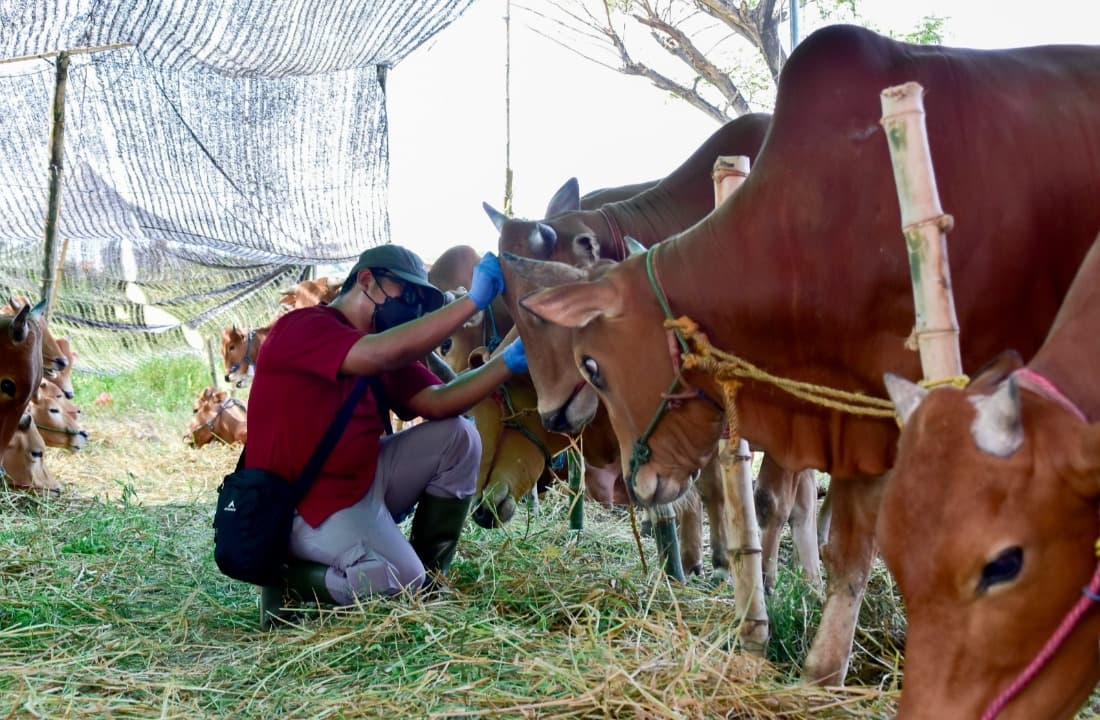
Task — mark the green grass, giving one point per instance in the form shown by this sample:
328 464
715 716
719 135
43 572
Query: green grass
160 385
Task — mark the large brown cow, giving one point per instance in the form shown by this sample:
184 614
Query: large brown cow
999 489
804 272
20 366
580 235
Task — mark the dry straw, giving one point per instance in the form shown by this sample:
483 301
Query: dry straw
111 607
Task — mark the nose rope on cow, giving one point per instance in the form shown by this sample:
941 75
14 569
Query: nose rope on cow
1089 594
640 453
65 431
489 332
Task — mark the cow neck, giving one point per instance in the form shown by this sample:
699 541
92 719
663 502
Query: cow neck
1074 340
658 214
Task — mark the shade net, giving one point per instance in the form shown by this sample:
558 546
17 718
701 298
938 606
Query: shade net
230 149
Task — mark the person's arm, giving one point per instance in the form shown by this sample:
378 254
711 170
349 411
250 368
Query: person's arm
469 387
397 347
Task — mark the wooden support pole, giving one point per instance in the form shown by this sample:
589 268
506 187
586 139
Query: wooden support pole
210 359
53 200
925 226
746 561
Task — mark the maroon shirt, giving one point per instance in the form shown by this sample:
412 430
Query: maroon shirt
296 393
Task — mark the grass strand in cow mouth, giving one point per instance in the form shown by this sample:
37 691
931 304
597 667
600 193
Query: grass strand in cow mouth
112 607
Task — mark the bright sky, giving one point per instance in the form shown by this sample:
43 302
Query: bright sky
570 117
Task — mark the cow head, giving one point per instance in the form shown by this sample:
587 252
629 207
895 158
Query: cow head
58 418
621 350
216 415
568 237
64 377
239 350
20 366
23 461
988 522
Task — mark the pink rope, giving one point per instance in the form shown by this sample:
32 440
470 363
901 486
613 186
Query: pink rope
1089 595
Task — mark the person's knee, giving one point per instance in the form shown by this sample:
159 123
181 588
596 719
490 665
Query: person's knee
463 456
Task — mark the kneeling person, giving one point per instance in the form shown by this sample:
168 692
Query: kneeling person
346 542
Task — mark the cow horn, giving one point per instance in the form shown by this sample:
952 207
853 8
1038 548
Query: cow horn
997 429
18 328
905 395
25 422
633 247
566 199
496 216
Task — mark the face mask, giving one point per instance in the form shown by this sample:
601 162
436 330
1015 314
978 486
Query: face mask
394 312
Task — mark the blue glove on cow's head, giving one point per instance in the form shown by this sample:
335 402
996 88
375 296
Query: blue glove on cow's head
515 357
487 282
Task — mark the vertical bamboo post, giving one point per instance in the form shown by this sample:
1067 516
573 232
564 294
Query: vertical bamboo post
508 108
53 200
210 359
746 560
925 226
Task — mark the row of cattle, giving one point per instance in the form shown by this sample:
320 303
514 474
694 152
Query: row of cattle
989 517
38 366
986 511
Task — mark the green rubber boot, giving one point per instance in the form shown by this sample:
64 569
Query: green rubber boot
303 581
436 527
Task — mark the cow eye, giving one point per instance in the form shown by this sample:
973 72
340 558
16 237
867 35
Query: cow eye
591 370
55 411
7 387
445 347
1001 569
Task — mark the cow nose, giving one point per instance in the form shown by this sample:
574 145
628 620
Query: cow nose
227 378
555 421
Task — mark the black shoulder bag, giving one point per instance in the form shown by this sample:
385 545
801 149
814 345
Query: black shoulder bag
255 509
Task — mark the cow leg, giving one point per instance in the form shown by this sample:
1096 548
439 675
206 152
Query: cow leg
713 494
848 556
744 551
803 520
774 500
689 521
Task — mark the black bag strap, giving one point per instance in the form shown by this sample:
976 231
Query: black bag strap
381 401
328 441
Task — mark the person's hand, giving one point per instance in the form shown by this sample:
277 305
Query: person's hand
487 282
515 357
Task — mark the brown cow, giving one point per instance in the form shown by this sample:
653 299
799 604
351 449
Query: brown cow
57 418
22 463
216 415
64 376
804 272
54 360
240 348
999 490
580 235
20 366
308 293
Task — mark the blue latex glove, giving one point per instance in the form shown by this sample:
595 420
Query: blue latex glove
515 357
487 282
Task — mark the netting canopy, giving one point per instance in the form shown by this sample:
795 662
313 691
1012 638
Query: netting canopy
214 152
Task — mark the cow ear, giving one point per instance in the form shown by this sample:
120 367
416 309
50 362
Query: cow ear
997 428
496 216
18 327
566 199
905 395
996 371
39 310
574 305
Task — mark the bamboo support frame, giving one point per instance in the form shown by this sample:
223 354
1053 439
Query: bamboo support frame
746 563
925 226
53 200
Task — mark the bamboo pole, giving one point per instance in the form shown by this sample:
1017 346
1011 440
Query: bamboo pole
53 200
746 560
925 226
210 360
71 51
508 108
